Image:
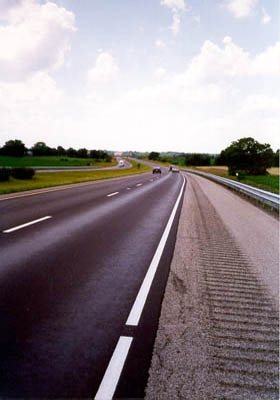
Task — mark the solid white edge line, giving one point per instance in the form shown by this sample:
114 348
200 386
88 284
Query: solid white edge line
137 308
112 194
112 375
27 224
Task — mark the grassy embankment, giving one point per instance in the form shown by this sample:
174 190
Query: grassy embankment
53 161
267 182
44 180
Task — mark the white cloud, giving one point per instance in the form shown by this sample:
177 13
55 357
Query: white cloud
241 8
7 5
177 7
266 18
221 96
260 103
175 27
28 108
215 63
267 62
160 73
160 44
174 5
40 89
35 38
105 69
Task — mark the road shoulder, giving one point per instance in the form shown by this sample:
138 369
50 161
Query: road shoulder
182 356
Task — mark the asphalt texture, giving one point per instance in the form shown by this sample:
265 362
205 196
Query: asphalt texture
68 284
218 335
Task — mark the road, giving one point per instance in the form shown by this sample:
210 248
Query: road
72 266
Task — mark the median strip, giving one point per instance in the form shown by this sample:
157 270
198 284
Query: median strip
113 372
136 311
27 224
112 194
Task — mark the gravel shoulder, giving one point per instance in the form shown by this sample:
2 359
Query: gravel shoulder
218 329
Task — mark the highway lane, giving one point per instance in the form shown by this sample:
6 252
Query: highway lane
55 200
68 284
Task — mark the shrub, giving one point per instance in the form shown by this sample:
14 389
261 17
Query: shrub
232 171
240 174
4 174
22 173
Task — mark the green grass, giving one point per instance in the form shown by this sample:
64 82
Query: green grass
51 161
266 182
45 180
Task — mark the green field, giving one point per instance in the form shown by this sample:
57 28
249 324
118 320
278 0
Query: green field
265 182
52 161
44 180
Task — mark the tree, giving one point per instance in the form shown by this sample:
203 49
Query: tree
108 157
276 159
71 152
220 159
40 149
248 155
82 153
61 151
197 159
154 155
100 155
14 148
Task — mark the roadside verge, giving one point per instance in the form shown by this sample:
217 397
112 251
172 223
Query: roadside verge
60 179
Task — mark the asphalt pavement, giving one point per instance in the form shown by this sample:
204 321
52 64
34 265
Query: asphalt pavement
73 262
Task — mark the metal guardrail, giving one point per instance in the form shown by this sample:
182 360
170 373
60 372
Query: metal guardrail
263 196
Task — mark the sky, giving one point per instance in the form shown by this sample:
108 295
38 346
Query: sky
143 75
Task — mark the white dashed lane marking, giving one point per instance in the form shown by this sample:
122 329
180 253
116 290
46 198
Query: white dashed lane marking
112 194
111 378
15 228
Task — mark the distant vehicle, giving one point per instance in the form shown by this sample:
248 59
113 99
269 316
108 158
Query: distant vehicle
156 170
175 169
121 163
171 167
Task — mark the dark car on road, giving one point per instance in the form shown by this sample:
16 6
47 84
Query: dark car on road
156 170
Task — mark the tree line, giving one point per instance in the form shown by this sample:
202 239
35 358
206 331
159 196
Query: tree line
183 159
16 148
245 155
